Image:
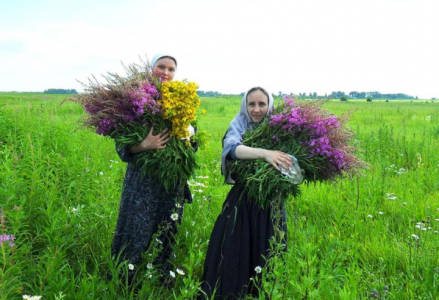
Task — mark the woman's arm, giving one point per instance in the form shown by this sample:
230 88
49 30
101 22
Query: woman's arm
152 142
273 157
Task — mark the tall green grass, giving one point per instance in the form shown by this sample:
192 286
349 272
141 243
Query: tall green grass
375 235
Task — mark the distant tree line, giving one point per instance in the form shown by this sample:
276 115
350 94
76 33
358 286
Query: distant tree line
314 95
378 95
354 94
60 91
216 94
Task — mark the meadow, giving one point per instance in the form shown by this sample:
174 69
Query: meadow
371 236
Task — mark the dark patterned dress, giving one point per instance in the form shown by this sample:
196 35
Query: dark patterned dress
239 241
146 209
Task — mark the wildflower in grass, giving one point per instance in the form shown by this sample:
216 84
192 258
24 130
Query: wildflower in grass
7 238
131 267
149 266
172 274
391 196
404 204
369 216
401 171
181 272
374 294
415 236
380 213
101 173
150 276
258 269
193 223
174 217
204 111
28 297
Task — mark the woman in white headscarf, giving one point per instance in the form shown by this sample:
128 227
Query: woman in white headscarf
146 207
241 235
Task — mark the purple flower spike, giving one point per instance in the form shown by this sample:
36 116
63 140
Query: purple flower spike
7 237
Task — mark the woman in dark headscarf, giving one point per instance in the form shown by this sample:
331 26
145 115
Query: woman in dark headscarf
240 237
146 208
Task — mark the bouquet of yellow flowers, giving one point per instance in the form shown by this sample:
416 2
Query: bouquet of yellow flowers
125 109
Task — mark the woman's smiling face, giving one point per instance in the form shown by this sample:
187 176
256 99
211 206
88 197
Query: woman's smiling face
257 105
165 69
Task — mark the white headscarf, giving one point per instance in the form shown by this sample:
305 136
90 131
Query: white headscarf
160 55
234 134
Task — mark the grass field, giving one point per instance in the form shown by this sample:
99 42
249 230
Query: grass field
371 236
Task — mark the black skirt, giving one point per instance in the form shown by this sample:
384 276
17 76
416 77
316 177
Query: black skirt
239 242
145 210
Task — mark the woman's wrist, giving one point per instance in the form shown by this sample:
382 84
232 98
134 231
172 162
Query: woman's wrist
138 148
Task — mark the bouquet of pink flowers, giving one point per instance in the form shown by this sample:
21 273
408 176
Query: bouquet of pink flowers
125 108
319 141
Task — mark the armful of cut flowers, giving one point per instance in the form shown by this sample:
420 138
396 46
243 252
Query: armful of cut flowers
141 113
319 143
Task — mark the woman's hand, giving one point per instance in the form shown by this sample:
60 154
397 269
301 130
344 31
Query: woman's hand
273 157
278 158
152 142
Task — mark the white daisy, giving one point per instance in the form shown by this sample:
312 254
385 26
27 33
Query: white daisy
174 217
181 272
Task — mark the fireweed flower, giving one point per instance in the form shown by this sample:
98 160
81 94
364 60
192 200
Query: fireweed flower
7 238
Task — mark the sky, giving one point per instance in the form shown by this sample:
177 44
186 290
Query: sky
229 46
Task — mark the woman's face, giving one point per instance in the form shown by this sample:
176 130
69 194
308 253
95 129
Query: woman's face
257 105
165 68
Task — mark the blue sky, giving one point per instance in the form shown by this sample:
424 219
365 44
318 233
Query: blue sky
228 46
